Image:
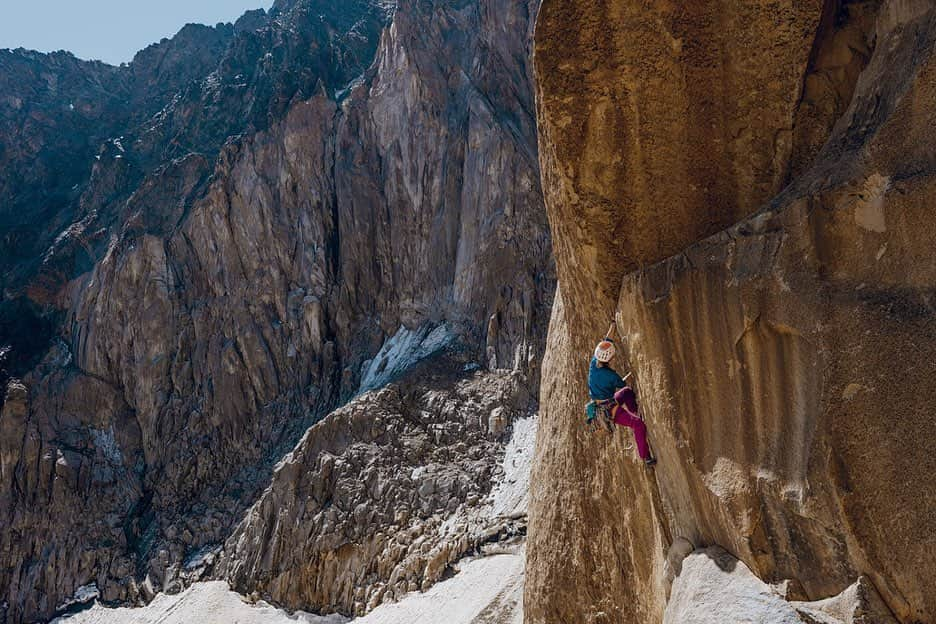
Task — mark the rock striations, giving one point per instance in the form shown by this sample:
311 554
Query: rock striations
747 186
208 249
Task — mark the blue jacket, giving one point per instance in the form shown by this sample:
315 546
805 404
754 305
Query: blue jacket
603 381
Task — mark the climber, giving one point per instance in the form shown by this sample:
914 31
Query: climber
606 387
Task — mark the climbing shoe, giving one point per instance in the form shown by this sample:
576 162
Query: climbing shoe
650 461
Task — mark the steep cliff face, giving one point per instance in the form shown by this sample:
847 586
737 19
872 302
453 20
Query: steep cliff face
785 363
349 187
55 114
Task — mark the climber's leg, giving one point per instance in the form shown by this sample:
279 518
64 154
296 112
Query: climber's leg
627 419
626 397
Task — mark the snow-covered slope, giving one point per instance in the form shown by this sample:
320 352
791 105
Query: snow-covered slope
488 590
402 351
208 603
511 496
713 587
483 590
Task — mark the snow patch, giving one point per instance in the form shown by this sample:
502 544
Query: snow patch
206 603
401 351
510 496
484 591
341 94
488 590
211 82
200 558
82 595
713 587
106 442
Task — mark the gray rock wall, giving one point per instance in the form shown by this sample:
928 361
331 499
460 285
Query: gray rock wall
238 259
382 496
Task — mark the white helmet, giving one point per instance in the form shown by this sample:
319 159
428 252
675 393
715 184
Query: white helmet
604 351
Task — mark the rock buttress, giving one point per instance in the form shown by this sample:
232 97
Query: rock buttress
784 364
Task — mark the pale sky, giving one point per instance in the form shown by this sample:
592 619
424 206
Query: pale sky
108 30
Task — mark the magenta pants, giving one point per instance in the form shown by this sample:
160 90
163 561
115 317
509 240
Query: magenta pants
625 413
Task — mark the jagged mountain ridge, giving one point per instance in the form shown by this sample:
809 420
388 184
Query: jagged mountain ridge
234 262
180 96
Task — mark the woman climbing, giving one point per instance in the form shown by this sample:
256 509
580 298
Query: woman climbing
606 386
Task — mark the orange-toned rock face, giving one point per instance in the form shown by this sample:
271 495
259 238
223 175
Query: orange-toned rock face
785 364
664 122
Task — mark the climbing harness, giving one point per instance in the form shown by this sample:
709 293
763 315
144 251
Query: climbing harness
598 415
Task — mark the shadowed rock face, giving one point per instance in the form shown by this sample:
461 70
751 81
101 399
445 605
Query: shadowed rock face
55 114
784 364
226 271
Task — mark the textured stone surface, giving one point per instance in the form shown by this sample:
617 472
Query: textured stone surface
225 273
637 96
379 498
54 116
785 364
